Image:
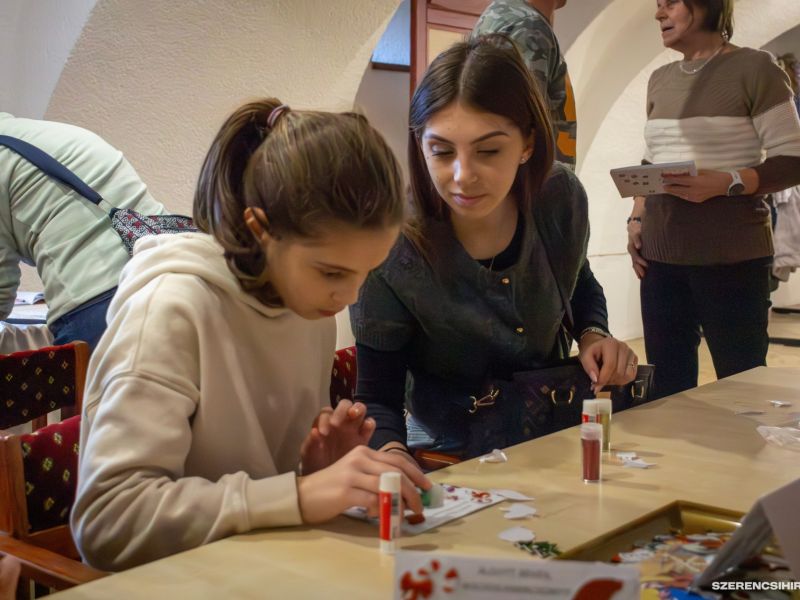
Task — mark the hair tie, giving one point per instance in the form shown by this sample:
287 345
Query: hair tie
275 114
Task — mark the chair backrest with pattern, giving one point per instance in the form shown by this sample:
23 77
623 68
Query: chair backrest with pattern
39 471
343 375
36 382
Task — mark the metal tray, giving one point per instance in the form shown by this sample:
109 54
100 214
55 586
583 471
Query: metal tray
688 517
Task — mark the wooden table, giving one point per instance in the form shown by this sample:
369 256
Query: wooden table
703 451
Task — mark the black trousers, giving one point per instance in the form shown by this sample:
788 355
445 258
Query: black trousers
730 302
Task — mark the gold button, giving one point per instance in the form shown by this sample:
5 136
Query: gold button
520 330
505 280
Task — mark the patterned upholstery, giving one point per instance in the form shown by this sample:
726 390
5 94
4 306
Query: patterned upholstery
50 460
343 376
36 382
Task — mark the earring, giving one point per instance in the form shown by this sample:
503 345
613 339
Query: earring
523 160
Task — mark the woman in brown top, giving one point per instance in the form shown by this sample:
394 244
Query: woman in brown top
703 249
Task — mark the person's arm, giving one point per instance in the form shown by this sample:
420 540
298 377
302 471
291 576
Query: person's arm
383 328
381 387
588 303
9 278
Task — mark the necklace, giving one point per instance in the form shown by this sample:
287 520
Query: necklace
705 62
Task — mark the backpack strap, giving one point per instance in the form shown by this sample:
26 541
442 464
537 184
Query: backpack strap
50 166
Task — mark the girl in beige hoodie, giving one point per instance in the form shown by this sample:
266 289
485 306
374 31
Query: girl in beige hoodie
206 410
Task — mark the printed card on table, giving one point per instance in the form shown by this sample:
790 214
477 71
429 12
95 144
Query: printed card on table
644 180
435 576
458 502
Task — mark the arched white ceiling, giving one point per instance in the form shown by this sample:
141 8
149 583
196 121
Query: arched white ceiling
157 78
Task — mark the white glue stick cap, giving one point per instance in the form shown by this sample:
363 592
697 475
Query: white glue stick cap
390 482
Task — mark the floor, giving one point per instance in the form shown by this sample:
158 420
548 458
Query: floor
778 355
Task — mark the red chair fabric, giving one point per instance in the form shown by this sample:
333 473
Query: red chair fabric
343 375
36 382
50 460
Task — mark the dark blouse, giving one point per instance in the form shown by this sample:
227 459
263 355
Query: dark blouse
430 333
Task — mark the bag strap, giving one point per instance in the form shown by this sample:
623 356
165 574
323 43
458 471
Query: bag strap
50 166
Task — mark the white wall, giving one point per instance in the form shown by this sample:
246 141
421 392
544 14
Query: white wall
157 79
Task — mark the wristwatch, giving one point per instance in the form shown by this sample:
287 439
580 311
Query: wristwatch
736 187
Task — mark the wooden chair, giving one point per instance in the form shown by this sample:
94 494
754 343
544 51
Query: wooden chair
39 473
39 469
45 569
36 382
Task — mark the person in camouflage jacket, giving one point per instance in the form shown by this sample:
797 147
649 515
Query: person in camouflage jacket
529 24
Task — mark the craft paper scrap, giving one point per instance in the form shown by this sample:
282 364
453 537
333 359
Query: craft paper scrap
637 464
511 495
627 455
780 403
517 534
518 511
748 412
438 576
458 502
495 456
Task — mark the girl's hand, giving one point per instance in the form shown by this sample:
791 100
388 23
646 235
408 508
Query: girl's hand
634 248
607 361
334 433
698 188
353 481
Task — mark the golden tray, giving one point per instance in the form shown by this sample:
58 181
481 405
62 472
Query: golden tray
688 517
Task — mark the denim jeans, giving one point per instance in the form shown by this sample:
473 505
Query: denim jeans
87 322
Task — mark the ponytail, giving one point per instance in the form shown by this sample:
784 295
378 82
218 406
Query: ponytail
304 170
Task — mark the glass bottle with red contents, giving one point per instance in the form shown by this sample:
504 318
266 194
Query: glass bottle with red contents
591 440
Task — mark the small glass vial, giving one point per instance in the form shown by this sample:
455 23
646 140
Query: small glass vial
591 439
604 409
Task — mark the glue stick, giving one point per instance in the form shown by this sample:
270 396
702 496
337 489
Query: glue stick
390 511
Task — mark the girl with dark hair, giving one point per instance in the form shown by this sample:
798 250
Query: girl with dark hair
703 249
491 276
217 359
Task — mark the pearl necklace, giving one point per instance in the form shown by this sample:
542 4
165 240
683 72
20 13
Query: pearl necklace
700 68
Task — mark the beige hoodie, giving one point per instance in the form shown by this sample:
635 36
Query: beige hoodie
198 398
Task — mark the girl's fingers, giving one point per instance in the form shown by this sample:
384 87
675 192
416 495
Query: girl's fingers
339 414
367 429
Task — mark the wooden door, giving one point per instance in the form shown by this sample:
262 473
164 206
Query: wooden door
436 25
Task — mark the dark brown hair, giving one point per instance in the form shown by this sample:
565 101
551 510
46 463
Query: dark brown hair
310 170
486 74
719 15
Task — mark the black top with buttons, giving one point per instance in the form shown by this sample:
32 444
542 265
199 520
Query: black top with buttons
450 324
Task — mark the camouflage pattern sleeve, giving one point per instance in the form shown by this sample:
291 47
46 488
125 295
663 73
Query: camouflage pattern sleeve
539 47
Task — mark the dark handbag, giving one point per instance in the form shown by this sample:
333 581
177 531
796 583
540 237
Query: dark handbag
129 224
542 401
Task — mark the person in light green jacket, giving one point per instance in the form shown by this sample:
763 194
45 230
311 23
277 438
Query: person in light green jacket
69 240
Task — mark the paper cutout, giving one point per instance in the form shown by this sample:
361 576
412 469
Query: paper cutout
517 534
519 511
749 412
637 464
627 455
512 495
495 456
780 403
